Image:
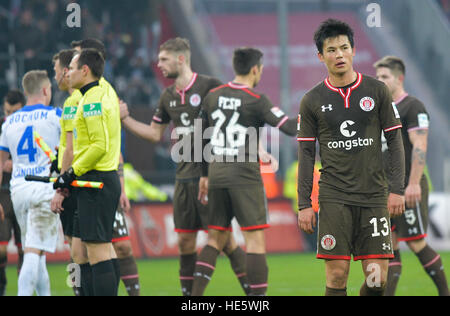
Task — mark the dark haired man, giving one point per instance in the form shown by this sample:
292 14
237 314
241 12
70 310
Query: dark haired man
96 158
346 113
181 104
125 263
411 227
13 101
236 113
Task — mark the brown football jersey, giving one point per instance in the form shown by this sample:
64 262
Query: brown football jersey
347 122
235 114
414 116
182 108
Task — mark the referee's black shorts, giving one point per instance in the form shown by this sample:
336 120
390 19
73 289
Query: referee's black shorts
96 210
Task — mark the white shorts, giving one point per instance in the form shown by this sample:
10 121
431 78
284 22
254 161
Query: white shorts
38 224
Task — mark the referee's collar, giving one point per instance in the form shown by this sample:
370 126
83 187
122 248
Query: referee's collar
89 86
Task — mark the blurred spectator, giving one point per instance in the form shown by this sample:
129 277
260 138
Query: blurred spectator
29 39
445 4
38 29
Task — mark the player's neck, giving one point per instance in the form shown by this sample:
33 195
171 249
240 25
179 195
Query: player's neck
342 80
184 79
245 80
36 100
398 94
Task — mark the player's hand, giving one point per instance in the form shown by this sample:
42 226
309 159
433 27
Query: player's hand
396 205
203 190
2 214
65 180
124 202
413 195
56 204
124 113
307 220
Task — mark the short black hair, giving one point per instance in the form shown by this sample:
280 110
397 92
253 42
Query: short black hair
94 60
14 97
332 28
244 59
91 43
64 57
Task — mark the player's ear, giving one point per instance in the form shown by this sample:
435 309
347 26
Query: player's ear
320 56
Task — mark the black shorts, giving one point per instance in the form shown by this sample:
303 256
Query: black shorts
96 211
189 214
69 205
412 225
248 204
9 225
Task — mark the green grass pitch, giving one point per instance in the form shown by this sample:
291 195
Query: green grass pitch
289 275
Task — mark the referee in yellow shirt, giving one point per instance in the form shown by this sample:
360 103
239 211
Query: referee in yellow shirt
96 158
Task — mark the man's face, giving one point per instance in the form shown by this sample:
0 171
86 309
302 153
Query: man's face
168 63
337 55
392 81
75 76
60 76
9 109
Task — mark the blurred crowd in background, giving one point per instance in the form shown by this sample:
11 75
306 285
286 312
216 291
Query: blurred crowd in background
36 29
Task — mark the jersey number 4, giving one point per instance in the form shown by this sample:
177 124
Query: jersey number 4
26 145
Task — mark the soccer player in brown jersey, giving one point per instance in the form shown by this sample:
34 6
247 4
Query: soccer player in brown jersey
13 101
411 227
180 104
346 114
235 113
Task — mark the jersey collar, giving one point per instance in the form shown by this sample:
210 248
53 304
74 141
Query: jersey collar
403 97
346 95
182 93
86 88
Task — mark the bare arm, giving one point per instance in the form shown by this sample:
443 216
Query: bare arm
152 132
68 153
124 202
419 140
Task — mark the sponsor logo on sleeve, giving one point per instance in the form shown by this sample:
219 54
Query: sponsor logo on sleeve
69 113
423 120
397 114
93 109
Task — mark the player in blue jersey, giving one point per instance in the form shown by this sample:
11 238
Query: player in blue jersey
31 200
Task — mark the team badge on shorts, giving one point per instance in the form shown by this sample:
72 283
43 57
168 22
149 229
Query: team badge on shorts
195 100
367 104
328 242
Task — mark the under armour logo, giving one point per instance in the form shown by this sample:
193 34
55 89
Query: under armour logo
325 108
386 246
173 104
413 231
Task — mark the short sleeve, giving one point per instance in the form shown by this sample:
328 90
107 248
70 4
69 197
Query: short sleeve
307 122
161 116
417 117
389 115
3 140
271 114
